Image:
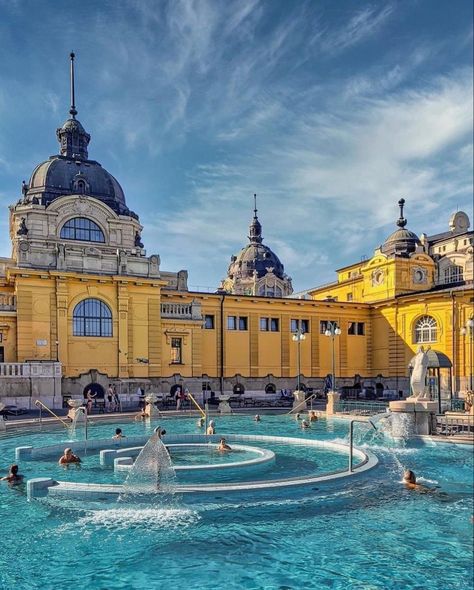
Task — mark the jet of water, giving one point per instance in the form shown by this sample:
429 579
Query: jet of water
152 478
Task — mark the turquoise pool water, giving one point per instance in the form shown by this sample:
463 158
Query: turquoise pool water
369 533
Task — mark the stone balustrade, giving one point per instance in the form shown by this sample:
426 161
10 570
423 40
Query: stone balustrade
7 302
15 370
183 311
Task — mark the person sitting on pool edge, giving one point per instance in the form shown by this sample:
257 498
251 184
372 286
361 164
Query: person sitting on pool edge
142 415
211 428
118 434
69 457
223 446
13 477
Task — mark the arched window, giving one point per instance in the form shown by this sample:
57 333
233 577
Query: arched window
426 329
81 187
92 317
83 229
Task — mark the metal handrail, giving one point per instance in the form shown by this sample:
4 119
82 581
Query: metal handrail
191 397
39 404
312 396
351 439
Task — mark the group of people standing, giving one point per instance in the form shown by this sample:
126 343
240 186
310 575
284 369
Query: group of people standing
111 399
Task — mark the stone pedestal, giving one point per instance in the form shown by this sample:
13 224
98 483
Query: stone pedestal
333 400
423 413
224 406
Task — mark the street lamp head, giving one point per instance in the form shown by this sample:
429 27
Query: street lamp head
327 333
337 331
463 331
295 337
470 323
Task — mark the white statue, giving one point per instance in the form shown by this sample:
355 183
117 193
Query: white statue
418 375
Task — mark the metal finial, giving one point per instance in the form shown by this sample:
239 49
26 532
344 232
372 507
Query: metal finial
401 222
255 204
72 110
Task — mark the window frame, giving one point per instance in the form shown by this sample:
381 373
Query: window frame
211 324
83 325
425 330
176 345
72 230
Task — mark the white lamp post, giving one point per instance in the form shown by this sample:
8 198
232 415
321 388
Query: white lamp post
298 338
468 330
332 331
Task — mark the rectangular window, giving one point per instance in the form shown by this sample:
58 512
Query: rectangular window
323 325
242 323
356 328
176 358
209 322
231 322
303 324
264 322
349 297
274 325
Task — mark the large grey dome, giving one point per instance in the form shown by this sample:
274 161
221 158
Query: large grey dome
62 175
71 172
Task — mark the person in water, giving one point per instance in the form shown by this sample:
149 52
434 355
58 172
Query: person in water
160 432
305 424
257 418
223 446
13 477
118 434
409 479
200 422
69 457
312 416
211 429
298 416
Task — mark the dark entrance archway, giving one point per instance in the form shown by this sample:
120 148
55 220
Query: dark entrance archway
94 388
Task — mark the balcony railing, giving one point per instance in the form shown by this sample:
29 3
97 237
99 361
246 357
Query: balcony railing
181 311
7 302
40 369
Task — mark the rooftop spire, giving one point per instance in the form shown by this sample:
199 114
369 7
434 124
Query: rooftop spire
72 110
255 227
401 221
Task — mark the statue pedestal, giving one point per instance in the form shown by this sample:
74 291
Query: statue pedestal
333 400
422 412
224 406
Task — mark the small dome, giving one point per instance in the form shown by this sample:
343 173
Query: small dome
402 242
255 257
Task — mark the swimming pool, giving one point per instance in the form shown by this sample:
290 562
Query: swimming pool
366 533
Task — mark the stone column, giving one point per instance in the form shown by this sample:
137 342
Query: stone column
333 400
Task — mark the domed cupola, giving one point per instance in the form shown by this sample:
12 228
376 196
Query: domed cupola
402 242
71 172
256 269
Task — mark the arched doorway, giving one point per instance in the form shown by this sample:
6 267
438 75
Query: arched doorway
94 388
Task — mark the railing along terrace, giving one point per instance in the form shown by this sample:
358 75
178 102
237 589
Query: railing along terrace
176 310
7 302
360 408
455 425
40 369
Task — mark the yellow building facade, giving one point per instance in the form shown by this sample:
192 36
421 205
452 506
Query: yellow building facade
81 303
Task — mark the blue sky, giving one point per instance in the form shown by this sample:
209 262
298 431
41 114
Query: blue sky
329 110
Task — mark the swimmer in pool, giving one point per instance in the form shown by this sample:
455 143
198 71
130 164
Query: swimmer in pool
223 446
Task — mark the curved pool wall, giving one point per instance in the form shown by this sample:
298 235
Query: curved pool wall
111 449
264 456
